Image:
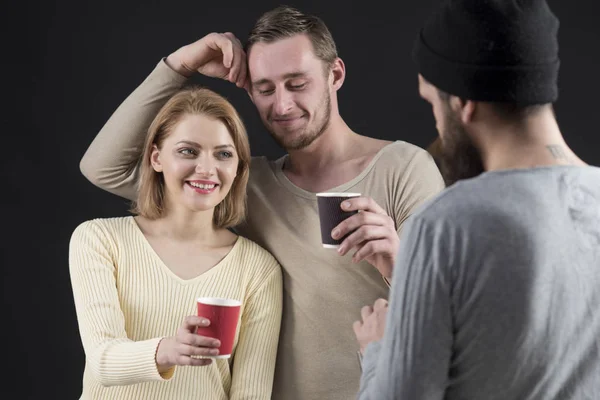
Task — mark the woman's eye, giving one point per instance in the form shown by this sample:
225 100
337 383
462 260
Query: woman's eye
187 152
225 154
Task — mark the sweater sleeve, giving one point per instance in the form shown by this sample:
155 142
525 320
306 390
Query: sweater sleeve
111 161
255 356
413 358
112 357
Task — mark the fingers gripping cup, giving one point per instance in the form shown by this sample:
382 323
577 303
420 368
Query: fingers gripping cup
331 214
223 315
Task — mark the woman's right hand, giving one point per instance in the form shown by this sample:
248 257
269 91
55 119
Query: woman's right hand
182 348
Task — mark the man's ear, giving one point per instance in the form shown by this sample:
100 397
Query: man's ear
468 111
464 108
155 159
338 72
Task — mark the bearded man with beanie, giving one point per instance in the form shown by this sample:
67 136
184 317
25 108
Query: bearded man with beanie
495 292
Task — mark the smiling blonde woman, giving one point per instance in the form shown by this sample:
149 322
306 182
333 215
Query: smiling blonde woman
135 279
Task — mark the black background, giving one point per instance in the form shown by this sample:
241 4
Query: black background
69 64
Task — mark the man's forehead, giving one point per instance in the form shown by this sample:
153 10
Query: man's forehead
282 58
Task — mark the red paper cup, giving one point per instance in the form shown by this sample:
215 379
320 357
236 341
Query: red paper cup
223 315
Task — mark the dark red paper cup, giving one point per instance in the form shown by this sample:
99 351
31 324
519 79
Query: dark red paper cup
331 214
223 315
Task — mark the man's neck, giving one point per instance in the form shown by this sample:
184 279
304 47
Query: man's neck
333 147
533 142
336 157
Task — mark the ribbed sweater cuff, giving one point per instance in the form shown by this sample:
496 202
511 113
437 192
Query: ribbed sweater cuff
134 364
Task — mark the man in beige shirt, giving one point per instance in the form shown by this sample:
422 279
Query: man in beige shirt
292 72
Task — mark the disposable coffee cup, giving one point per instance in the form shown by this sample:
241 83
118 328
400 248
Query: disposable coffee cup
223 315
331 214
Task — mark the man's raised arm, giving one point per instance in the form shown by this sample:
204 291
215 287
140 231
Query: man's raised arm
111 162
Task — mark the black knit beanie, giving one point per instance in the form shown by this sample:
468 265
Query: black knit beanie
492 50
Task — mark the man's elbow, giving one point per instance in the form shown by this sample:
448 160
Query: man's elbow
89 170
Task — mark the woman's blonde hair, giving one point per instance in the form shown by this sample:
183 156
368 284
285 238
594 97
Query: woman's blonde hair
191 101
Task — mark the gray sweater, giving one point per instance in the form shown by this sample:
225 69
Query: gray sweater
496 293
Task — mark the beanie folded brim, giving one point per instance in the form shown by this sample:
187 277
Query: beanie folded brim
521 84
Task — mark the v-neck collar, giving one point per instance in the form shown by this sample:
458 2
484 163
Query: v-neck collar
298 191
214 269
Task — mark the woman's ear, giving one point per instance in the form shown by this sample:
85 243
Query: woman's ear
155 159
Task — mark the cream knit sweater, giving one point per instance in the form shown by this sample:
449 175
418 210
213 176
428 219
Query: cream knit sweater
127 300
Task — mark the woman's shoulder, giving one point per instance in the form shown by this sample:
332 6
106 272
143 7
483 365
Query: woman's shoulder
255 255
113 227
107 223
259 267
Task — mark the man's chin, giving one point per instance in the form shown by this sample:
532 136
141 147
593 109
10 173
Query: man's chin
291 141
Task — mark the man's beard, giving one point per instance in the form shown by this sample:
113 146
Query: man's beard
311 133
459 157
